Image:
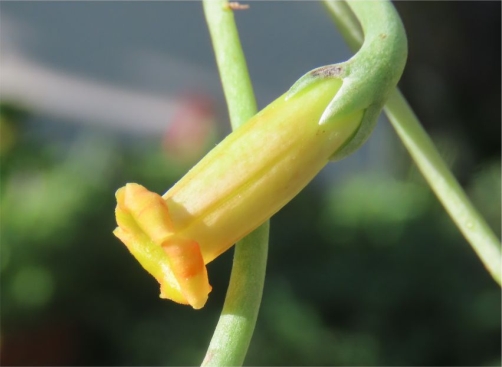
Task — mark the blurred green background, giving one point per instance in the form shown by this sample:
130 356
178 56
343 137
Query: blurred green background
365 267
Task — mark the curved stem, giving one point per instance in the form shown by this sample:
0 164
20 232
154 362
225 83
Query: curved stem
426 157
346 22
233 333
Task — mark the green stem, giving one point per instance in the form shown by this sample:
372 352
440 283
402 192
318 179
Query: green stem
231 62
449 192
233 333
443 183
346 22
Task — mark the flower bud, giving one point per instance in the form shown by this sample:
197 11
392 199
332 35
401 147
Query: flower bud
237 186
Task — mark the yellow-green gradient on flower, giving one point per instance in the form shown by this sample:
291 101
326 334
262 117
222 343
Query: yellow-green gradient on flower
237 186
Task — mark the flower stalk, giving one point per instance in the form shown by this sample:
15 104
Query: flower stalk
232 335
421 148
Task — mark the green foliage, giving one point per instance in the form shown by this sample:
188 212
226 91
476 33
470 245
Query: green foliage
371 272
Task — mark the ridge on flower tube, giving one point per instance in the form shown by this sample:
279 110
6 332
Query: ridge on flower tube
257 169
237 186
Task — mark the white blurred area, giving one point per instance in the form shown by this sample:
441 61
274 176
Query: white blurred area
67 96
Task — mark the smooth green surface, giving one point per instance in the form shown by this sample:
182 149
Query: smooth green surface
231 338
427 158
233 333
231 62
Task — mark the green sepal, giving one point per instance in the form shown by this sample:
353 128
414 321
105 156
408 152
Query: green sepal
315 75
362 134
368 77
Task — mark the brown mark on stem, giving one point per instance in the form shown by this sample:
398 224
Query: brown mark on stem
234 5
328 71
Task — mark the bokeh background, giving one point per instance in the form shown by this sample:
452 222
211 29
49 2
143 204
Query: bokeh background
365 267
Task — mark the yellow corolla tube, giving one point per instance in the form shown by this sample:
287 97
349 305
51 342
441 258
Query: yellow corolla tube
237 186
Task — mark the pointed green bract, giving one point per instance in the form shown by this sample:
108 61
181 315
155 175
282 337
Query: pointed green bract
369 76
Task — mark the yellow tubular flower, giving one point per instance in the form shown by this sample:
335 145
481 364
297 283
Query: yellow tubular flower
237 186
